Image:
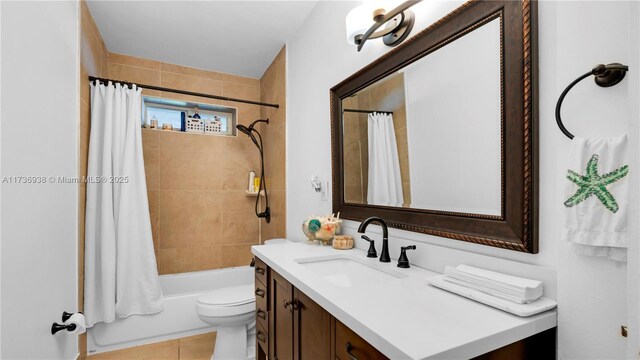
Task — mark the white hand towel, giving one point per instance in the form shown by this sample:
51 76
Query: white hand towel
513 288
514 285
488 291
535 307
596 197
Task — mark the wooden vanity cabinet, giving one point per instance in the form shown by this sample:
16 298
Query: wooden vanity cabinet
298 327
311 329
262 309
291 326
295 328
348 345
280 318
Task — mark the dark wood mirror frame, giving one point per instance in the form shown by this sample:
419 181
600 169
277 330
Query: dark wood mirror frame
516 228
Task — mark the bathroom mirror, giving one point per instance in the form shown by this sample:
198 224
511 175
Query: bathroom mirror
439 135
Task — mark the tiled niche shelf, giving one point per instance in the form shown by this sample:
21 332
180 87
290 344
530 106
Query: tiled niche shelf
174 112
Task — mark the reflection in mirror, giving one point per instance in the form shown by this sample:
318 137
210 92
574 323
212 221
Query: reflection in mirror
375 144
430 135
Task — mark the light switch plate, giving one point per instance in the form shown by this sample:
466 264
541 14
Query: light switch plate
323 195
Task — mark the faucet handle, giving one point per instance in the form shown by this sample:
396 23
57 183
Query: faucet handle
403 261
372 247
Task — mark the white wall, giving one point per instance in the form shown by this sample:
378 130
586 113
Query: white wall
40 68
633 270
591 328
573 37
0 187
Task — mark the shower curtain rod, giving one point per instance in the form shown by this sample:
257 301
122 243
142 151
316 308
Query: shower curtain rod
183 92
367 111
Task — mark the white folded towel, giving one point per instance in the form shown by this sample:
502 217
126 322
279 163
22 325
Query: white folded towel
535 307
597 197
508 287
494 293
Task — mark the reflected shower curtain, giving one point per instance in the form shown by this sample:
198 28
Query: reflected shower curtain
385 183
121 276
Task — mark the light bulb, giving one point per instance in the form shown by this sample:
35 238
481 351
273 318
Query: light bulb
358 21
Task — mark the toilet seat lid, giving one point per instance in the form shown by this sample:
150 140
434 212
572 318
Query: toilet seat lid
229 296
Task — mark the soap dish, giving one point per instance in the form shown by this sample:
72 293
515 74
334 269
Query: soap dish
254 193
343 242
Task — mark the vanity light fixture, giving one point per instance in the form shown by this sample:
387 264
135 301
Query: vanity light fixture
397 22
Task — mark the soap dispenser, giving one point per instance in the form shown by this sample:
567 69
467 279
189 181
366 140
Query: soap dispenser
403 261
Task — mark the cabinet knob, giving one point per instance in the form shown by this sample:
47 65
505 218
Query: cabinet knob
260 270
292 305
261 314
260 336
260 292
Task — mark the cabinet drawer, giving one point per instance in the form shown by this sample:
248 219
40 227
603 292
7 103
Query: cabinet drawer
261 296
262 315
350 346
262 338
261 271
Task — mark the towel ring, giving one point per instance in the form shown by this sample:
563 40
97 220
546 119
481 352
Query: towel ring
604 76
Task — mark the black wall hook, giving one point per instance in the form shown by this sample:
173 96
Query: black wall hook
604 76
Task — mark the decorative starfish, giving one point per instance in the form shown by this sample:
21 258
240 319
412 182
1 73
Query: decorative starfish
594 184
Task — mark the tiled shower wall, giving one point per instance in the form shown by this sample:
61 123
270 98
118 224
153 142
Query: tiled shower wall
201 216
273 91
356 144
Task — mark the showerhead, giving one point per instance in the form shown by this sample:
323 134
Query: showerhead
243 129
247 130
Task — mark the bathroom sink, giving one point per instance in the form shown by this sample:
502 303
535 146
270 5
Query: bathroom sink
347 271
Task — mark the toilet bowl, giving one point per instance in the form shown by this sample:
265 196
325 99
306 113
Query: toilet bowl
232 311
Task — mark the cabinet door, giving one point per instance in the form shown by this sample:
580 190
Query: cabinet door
280 318
311 329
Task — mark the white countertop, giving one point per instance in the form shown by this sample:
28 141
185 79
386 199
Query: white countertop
404 318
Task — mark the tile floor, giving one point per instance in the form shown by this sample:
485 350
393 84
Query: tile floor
198 347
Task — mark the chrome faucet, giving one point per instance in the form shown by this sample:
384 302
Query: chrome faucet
384 256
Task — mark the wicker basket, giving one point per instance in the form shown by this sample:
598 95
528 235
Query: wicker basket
194 125
342 242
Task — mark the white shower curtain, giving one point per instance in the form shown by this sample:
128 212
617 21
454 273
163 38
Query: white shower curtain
385 183
121 276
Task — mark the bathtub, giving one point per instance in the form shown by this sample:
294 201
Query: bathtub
179 318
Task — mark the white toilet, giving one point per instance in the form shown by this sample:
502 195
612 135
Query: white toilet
232 311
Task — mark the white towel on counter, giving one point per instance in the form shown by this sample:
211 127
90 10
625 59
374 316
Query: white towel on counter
508 287
596 197
494 293
535 307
